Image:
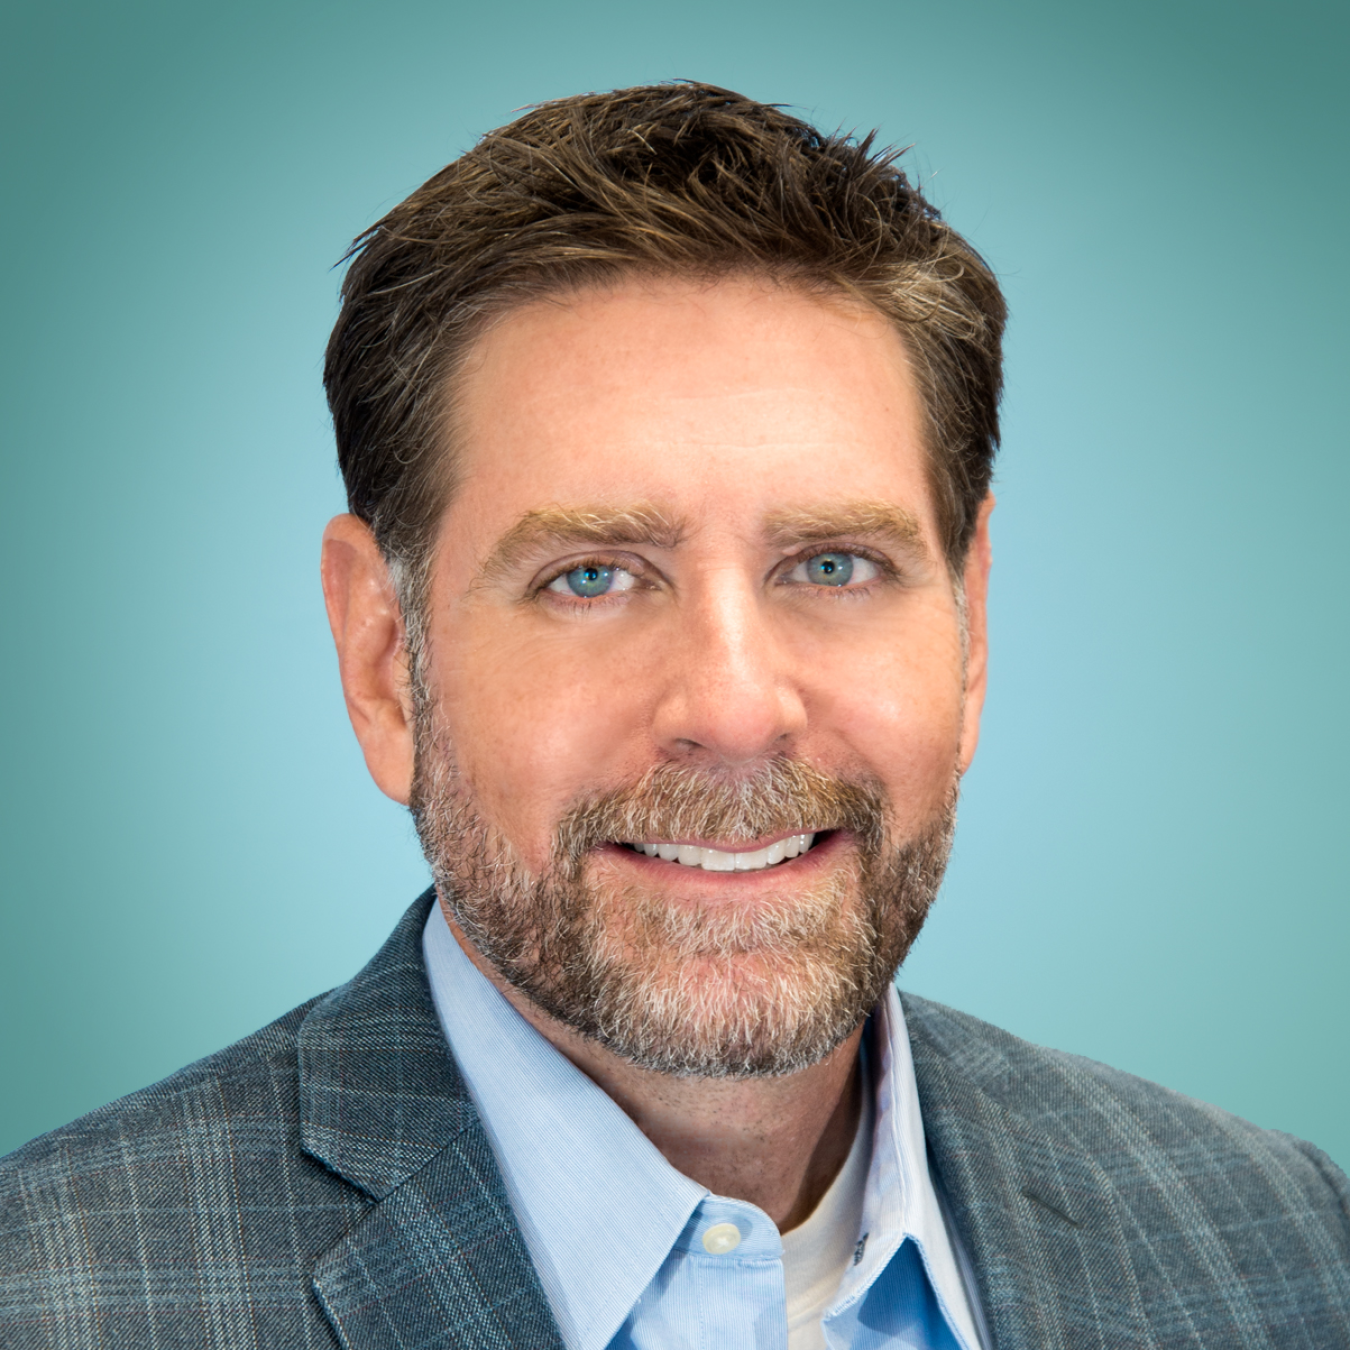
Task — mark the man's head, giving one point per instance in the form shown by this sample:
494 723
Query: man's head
686 180
672 422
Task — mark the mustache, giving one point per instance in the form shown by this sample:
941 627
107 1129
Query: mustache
672 801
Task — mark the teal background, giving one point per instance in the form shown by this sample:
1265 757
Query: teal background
1151 861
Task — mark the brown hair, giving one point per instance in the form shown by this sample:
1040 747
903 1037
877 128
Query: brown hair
673 178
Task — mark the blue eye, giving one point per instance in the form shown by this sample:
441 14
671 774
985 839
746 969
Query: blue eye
836 569
830 569
589 581
593 580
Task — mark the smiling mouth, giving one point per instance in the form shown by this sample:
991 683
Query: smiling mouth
719 860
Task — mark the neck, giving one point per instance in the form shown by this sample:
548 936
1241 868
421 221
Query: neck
775 1142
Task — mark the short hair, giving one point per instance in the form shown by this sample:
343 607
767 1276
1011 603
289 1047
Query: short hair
669 179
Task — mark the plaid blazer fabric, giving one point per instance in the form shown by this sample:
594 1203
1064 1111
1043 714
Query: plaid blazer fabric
326 1182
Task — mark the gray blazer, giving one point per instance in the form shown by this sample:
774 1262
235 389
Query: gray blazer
327 1182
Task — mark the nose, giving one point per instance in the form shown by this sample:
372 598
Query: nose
730 695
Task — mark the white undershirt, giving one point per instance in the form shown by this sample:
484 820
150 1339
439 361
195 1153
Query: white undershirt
817 1252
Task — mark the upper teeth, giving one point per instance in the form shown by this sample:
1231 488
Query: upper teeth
716 860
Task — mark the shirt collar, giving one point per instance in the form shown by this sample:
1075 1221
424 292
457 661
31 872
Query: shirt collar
901 1201
600 1208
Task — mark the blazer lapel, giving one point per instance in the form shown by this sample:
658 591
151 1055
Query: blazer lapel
437 1260
1035 1213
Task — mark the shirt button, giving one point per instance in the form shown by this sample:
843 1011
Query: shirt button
722 1238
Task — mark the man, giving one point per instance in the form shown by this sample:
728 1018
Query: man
667 426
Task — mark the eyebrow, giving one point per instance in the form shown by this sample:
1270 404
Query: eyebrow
874 519
566 526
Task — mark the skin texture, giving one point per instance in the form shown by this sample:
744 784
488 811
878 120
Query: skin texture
759 426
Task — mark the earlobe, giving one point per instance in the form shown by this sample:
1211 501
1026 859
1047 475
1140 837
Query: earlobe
367 627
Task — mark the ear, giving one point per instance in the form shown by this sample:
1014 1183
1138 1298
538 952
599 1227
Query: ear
976 575
367 628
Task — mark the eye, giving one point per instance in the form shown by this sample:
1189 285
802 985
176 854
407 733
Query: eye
834 569
592 580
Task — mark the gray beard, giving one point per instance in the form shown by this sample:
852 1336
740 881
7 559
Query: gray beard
739 991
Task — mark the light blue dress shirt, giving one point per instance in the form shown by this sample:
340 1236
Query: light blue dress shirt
616 1233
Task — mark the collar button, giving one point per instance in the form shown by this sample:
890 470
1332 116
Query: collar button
721 1238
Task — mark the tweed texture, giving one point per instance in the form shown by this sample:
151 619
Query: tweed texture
326 1182
1100 1210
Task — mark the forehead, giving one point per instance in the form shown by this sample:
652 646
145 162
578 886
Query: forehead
741 394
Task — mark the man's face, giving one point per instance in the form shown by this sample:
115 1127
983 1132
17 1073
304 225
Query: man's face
690 597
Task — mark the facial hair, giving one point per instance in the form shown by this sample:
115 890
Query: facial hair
759 988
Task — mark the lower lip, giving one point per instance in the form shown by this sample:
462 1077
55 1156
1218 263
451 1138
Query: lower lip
819 855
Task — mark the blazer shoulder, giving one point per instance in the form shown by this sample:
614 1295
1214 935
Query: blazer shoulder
240 1081
205 1203
1130 1126
164 1217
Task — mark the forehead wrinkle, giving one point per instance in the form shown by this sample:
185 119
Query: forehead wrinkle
561 526
877 519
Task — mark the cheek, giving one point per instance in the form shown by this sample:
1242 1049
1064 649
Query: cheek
900 714
536 724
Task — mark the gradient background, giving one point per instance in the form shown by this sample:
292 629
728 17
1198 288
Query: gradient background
1150 867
